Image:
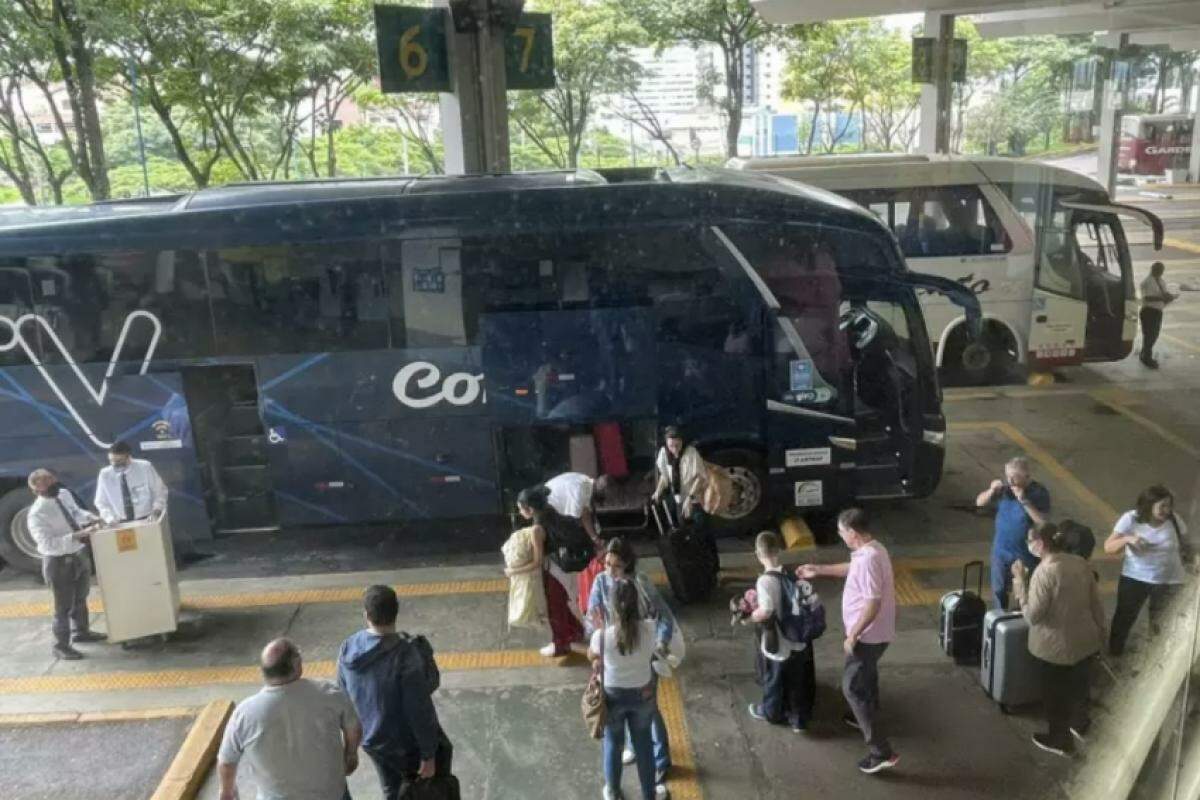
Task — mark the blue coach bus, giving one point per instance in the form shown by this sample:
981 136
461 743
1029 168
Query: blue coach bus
345 351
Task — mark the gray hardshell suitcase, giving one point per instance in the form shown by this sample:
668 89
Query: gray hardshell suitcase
1008 673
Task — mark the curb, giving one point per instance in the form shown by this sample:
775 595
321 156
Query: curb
196 755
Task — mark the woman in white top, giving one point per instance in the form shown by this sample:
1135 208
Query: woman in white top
1154 540
623 651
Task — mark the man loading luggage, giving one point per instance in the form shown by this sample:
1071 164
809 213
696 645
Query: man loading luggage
574 494
1021 503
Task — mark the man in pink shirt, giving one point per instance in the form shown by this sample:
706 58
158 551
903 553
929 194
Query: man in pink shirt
869 618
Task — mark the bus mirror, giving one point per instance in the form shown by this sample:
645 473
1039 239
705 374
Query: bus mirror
962 296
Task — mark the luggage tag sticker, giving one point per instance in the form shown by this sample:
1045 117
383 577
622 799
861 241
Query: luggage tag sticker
126 541
801 374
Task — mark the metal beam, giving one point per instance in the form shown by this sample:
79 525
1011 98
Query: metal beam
1127 20
802 11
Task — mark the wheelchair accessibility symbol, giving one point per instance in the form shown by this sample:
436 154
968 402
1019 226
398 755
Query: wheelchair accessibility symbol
277 435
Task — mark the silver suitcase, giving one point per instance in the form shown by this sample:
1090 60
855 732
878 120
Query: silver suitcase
1007 672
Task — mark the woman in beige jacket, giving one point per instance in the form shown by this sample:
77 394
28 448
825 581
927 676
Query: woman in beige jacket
1066 632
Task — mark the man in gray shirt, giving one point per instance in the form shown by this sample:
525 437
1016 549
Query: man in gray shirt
301 737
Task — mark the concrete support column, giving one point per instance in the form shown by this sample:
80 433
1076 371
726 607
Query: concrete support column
937 98
475 114
1110 124
1194 161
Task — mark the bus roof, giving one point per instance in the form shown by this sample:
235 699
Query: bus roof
122 223
904 170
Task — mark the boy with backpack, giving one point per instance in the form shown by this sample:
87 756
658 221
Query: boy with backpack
391 677
789 617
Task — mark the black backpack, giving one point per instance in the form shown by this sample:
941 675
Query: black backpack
433 675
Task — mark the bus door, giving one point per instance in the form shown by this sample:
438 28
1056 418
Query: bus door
232 447
1105 270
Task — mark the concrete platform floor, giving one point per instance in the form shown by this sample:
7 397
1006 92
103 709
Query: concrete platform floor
1095 438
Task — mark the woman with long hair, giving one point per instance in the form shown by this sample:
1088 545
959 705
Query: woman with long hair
1154 540
623 649
1066 633
548 540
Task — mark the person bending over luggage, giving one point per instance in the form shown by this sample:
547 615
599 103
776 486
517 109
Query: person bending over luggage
1157 551
620 563
1066 632
557 548
786 667
574 495
623 649
1021 503
681 478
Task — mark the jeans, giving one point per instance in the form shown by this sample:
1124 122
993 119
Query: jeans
1151 326
398 769
789 687
1002 577
1065 691
636 709
860 686
69 580
1131 596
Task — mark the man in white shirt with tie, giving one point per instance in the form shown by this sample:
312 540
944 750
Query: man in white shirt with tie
1155 299
59 526
129 488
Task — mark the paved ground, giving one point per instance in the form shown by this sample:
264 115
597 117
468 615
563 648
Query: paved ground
1096 437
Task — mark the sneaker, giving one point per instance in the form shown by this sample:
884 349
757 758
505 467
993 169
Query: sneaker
851 720
1043 741
66 652
660 792
872 763
799 727
756 711
609 794
88 636
627 756
549 651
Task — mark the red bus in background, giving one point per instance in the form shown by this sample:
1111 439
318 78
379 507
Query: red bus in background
1154 143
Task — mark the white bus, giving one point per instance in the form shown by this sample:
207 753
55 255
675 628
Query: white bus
1041 246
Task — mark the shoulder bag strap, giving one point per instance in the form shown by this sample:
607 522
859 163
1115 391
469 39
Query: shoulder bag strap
1185 547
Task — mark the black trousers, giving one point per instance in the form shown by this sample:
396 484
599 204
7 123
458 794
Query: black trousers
789 687
1065 693
398 769
69 579
1131 596
860 687
1151 326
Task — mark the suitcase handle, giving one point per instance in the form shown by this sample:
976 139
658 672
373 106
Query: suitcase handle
966 569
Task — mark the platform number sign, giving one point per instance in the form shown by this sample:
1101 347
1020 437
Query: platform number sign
412 49
413 54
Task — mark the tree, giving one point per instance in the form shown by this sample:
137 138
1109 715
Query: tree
636 112
592 43
416 113
48 42
731 25
818 70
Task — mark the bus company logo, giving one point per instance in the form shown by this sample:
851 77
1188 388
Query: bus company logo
1172 150
161 429
420 385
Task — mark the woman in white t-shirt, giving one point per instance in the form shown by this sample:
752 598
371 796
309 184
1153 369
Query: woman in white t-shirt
1154 540
623 651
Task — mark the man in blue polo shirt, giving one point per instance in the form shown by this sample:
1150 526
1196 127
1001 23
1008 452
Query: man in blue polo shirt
1021 503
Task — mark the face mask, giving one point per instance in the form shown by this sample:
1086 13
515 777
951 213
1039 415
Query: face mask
52 490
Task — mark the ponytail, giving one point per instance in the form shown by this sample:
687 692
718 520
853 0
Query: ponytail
628 615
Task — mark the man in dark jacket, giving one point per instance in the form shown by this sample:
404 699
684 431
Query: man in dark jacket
384 674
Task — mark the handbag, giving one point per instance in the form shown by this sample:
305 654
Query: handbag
439 787
593 704
1187 553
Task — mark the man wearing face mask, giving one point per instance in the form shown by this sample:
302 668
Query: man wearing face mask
129 488
59 526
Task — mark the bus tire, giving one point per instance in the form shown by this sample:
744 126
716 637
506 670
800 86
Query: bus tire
690 559
983 361
17 546
749 511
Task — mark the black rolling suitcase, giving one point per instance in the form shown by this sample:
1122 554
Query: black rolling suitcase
689 556
960 629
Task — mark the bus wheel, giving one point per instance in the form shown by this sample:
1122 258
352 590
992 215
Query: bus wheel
747 510
982 361
17 545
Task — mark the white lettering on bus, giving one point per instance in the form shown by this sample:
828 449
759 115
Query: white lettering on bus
1167 151
17 339
458 389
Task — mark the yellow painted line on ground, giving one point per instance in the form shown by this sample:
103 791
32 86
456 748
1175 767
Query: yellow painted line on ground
1047 461
196 755
684 783
1175 340
1147 423
1180 244
232 675
88 717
